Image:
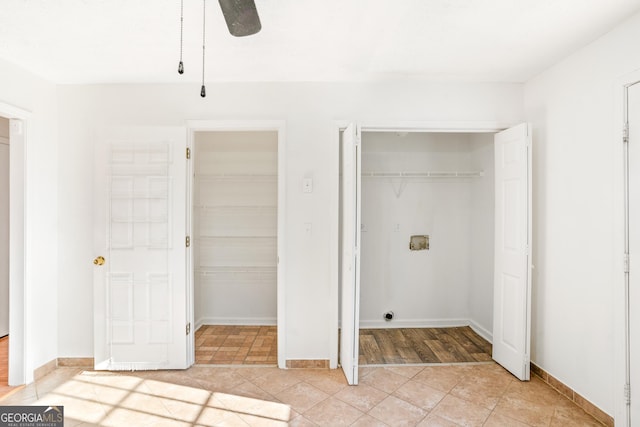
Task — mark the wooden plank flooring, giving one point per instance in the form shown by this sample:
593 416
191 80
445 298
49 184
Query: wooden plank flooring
4 367
422 345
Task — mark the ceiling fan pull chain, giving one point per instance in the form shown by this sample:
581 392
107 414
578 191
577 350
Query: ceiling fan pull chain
203 91
181 65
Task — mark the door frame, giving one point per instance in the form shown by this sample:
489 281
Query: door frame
379 126
20 365
278 126
621 235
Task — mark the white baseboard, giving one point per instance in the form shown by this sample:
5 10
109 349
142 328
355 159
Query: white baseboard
484 333
413 323
242 321
427 323
132 366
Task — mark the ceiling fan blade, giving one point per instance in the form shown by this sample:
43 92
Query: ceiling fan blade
241 17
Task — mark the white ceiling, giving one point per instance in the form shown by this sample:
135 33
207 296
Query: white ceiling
108 41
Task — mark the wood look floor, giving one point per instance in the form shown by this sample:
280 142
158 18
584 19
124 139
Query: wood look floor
4 367
422 345
236 345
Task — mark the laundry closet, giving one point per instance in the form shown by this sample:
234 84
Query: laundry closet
427 230
235 203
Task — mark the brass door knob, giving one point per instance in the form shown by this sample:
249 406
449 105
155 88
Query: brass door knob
99 260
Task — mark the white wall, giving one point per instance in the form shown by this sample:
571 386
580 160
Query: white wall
21 89
427 288
482 234
577 216
309 109
450 284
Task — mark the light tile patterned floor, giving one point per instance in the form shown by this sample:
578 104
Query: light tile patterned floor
463 395
236 345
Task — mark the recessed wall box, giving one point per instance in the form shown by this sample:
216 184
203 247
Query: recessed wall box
419 243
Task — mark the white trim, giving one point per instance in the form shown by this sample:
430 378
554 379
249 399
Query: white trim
109 365
20 362
189 268
413 323
621 416
246 321
260 125
334 239
434 127
480 330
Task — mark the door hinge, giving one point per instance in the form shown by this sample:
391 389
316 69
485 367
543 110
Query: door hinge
626 263
625 133
627 393
188 153
188 328
188 241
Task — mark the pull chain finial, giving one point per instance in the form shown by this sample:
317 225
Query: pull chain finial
203 91
181 65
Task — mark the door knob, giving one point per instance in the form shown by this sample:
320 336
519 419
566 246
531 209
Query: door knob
99 260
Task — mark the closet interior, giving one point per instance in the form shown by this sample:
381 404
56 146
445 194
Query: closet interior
427 247
235 208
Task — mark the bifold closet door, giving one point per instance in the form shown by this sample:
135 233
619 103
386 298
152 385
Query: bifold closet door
512 263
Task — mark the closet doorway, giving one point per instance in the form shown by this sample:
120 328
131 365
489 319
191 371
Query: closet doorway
425 277
430 304
235 241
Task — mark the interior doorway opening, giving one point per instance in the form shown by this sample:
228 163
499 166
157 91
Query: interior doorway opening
235 246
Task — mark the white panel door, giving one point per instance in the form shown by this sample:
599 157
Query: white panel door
140 230
633 112
512 274
4 237
350 253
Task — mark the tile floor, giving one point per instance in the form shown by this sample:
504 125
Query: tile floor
462 395
236 345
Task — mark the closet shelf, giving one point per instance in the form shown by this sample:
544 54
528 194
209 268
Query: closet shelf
422 175
238 210
212 271
251 177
